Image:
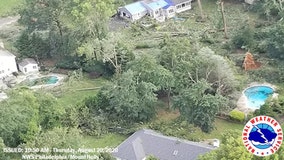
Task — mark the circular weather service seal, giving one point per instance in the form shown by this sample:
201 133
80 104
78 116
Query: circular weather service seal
262 136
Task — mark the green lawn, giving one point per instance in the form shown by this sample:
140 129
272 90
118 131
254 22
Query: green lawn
221 126
7 7
70 94
108 140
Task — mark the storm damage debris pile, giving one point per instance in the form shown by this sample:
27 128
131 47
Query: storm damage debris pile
249 63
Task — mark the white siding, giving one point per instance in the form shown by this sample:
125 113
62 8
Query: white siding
123 12
7 66
29 68
183 6
170 12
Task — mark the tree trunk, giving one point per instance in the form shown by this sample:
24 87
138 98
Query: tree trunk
58 24
224 20
95 54
169 98
201 10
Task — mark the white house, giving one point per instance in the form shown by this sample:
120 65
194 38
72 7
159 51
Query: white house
170 9
133 11
7 63
28 65
182 5
156 8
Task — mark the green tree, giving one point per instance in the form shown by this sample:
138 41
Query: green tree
106 156
151 157
2 146
275 41
215 69
271 9
128 99
68 25
32 45
19 117
50 112
189 65
61 138
231 148
199 107
147 69
88 118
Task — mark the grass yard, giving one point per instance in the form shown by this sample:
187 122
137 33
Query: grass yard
8 7
108 140
167 123
72 93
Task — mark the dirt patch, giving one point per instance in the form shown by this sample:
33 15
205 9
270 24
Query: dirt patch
164 114
48 62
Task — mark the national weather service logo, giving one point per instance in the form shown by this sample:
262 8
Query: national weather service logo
262 136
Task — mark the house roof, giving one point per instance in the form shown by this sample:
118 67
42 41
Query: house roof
135 8
5 53
175 2
148 142
154 5
170 3
27 61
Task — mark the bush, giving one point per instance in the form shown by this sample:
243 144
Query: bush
237 115
98 68
71 62
244 38
151 157
273 74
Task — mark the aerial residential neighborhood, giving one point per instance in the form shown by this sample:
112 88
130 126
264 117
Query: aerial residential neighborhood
159 10
141 79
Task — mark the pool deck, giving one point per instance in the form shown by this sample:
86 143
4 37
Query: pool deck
37 75
242 102
60 77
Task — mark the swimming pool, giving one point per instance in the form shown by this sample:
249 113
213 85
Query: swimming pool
257 95
41 81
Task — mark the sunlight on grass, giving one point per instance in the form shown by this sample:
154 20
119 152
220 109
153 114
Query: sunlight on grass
108 140
8 6
221 126
73 93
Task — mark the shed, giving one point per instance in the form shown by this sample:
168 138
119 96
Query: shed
28 65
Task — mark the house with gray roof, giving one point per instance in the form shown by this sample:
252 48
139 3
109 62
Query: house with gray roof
147 142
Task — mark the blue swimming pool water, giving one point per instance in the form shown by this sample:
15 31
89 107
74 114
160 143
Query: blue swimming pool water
52 80
41 81
257 95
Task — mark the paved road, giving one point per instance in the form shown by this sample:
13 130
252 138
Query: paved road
7 20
